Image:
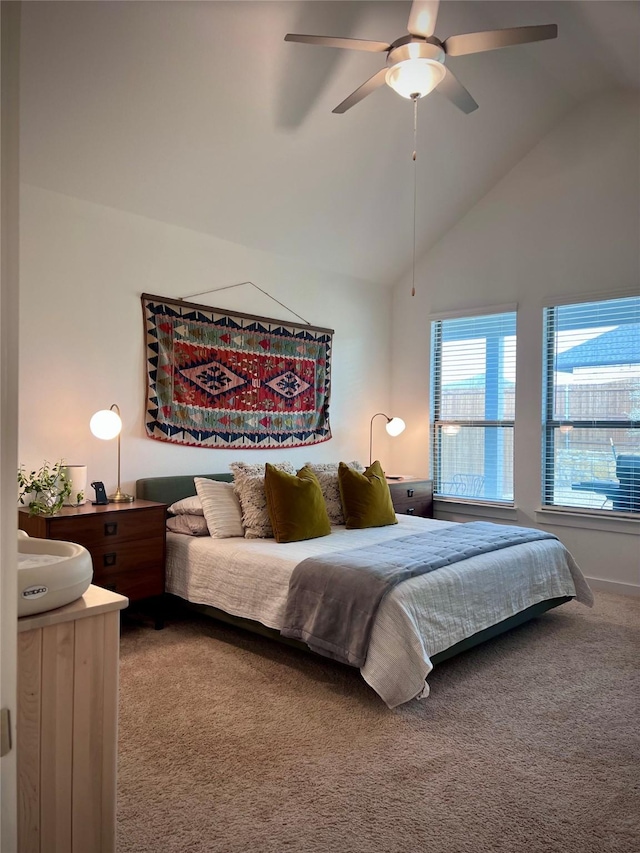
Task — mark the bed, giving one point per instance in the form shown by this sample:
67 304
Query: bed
419 623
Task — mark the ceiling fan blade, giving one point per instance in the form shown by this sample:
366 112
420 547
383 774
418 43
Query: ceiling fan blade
492 39
453 89
367 88
422 17
330 41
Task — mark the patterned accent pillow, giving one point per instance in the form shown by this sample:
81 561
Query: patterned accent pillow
191 525
248 484
221 507
327 474
187 506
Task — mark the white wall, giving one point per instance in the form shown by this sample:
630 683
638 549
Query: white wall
83 268
564 223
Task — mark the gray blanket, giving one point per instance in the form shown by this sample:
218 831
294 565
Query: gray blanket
333 599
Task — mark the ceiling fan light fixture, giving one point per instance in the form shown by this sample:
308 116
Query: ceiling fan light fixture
415 78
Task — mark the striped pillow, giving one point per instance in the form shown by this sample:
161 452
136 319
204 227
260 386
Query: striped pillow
221 508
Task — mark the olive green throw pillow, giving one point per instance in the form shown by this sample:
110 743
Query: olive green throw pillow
366 500
295 504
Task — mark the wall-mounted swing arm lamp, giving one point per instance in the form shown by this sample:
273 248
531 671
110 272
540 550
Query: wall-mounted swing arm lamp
394 426
107 424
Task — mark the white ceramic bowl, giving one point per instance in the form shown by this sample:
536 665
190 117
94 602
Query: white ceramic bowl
50 573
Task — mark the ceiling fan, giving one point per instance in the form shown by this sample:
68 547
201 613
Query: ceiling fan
416 62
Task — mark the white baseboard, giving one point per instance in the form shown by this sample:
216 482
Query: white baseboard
614 586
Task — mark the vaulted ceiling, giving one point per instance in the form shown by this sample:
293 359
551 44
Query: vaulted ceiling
200 115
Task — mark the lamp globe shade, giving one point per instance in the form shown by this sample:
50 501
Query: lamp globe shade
415 77
395 426
105 424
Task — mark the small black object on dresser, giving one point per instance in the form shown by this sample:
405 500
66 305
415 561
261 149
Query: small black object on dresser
412 497
101 495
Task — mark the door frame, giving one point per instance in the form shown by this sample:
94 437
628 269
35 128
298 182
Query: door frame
9 318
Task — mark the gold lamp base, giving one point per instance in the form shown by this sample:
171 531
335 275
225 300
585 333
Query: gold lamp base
120 498
107 424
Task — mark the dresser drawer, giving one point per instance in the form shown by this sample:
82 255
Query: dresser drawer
115 527
412 497
408 506
128 556
130 563
135 585
408 490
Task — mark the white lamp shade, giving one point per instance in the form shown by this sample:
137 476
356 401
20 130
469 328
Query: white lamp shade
395 426
415 77
105 424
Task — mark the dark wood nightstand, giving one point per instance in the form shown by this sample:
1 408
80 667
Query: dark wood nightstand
127 543
412 497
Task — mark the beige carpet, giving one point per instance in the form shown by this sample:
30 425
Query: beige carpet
232 743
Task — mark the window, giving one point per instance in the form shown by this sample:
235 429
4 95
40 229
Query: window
473 379
591 406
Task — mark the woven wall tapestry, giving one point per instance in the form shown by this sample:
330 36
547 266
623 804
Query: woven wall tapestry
221 379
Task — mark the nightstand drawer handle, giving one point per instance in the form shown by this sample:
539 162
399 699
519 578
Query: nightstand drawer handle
409 493
110 528
109 559
410 511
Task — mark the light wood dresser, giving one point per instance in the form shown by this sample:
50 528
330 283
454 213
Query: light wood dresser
67 725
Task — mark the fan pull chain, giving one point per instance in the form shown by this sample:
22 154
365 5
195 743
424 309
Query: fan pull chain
415 190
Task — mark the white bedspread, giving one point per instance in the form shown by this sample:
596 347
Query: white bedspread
417 619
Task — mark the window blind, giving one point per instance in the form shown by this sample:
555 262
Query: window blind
591 405
473 372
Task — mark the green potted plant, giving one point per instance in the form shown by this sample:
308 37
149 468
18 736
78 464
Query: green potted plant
44 491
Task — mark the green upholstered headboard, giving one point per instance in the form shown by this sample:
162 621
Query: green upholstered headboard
168 490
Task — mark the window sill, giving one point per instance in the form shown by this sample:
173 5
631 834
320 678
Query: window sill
552 516
484 509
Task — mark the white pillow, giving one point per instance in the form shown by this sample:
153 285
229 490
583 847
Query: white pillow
187 506
248 483
327 474
191 525
221 508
